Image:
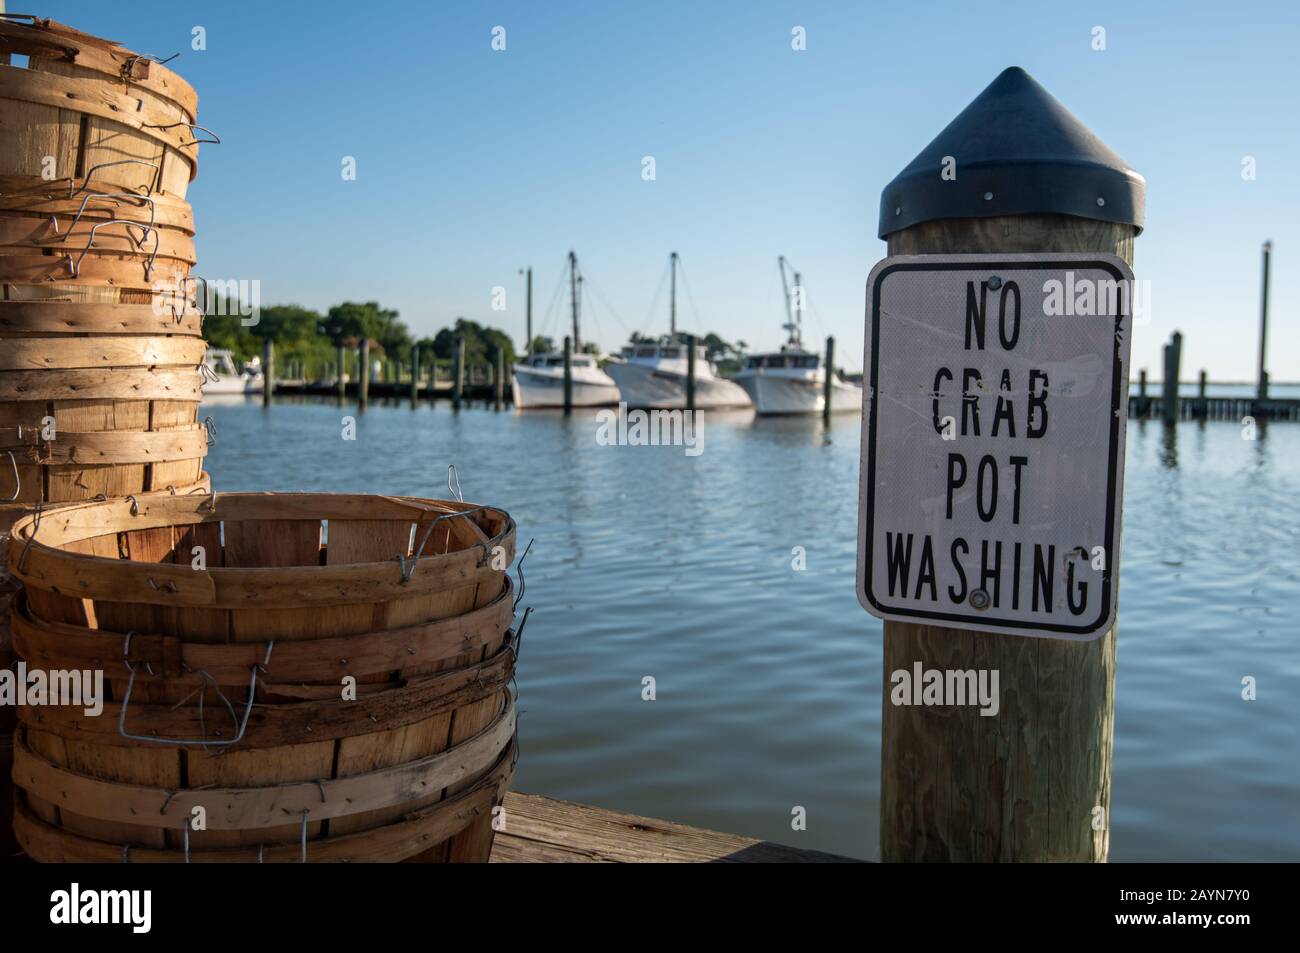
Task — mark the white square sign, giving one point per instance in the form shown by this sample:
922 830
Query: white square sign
995 400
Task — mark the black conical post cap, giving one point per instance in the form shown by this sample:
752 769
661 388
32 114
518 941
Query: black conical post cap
1015 151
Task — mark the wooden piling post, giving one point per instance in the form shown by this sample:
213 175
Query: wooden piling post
458 380
342 371
1262 387
415 374
1169 386
363 378
828 385
690 371
568 374
268 371
1032 783
499 378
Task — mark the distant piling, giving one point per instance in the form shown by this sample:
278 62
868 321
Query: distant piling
342 371
568 375
828 386
363 378
268 371
499 377
458 378
415 374
1262 387
690 371
1173 354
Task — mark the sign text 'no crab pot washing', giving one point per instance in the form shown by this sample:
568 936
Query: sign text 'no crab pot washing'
993 441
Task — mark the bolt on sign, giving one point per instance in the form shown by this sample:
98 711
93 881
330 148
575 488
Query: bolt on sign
993 431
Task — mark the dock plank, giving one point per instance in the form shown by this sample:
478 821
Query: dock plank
540 829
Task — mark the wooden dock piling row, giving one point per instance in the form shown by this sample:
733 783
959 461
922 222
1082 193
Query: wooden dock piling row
1215 408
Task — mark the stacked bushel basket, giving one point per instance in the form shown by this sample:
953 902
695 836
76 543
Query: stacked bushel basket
287 677
294 701
99 375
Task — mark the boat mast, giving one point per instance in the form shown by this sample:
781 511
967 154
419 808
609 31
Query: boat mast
798 311
573 292
791 326
528 347
672 301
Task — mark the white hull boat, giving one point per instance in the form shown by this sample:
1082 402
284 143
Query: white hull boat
777 392
654 377
792 380
539 382
221 377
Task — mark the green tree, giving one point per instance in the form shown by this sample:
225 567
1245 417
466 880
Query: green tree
350 322
481 343
223 327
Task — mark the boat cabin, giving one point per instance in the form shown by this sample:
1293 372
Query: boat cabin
663 352
771 361
557 360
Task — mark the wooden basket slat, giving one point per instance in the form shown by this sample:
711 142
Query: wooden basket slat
95 383
47 843
91 97
42 318
68 197
102 350
287 723
48 39
122 271
402 651
29 234
250 808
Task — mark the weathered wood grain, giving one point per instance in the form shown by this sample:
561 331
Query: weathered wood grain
545 830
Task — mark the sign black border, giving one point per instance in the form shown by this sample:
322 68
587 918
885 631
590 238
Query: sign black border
1112 478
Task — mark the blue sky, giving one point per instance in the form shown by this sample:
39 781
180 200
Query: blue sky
473 163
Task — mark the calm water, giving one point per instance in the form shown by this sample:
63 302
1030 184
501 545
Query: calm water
650 563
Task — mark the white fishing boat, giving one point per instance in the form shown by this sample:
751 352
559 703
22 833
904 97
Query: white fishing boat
538 381
221 375
793 379
654 376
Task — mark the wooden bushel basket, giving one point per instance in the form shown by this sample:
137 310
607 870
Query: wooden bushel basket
11 513
98 399
93 109
91 242
296 700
